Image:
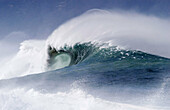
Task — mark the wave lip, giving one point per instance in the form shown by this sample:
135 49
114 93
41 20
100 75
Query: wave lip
128 30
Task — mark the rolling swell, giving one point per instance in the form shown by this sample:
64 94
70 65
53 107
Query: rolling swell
104 72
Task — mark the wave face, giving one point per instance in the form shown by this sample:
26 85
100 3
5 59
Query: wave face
70 55
99 60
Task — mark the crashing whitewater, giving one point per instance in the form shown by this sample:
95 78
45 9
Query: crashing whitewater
98 60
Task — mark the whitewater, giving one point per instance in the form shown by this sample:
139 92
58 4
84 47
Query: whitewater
112 60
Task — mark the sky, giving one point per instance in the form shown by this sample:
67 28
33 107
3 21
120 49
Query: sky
39 18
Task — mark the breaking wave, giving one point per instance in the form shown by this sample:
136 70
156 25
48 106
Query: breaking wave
98 60
76 39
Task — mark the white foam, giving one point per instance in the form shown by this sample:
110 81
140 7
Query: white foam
20 99
29 60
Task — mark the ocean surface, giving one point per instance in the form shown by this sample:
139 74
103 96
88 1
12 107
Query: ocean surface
100 60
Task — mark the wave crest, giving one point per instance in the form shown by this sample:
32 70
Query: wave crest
128 30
